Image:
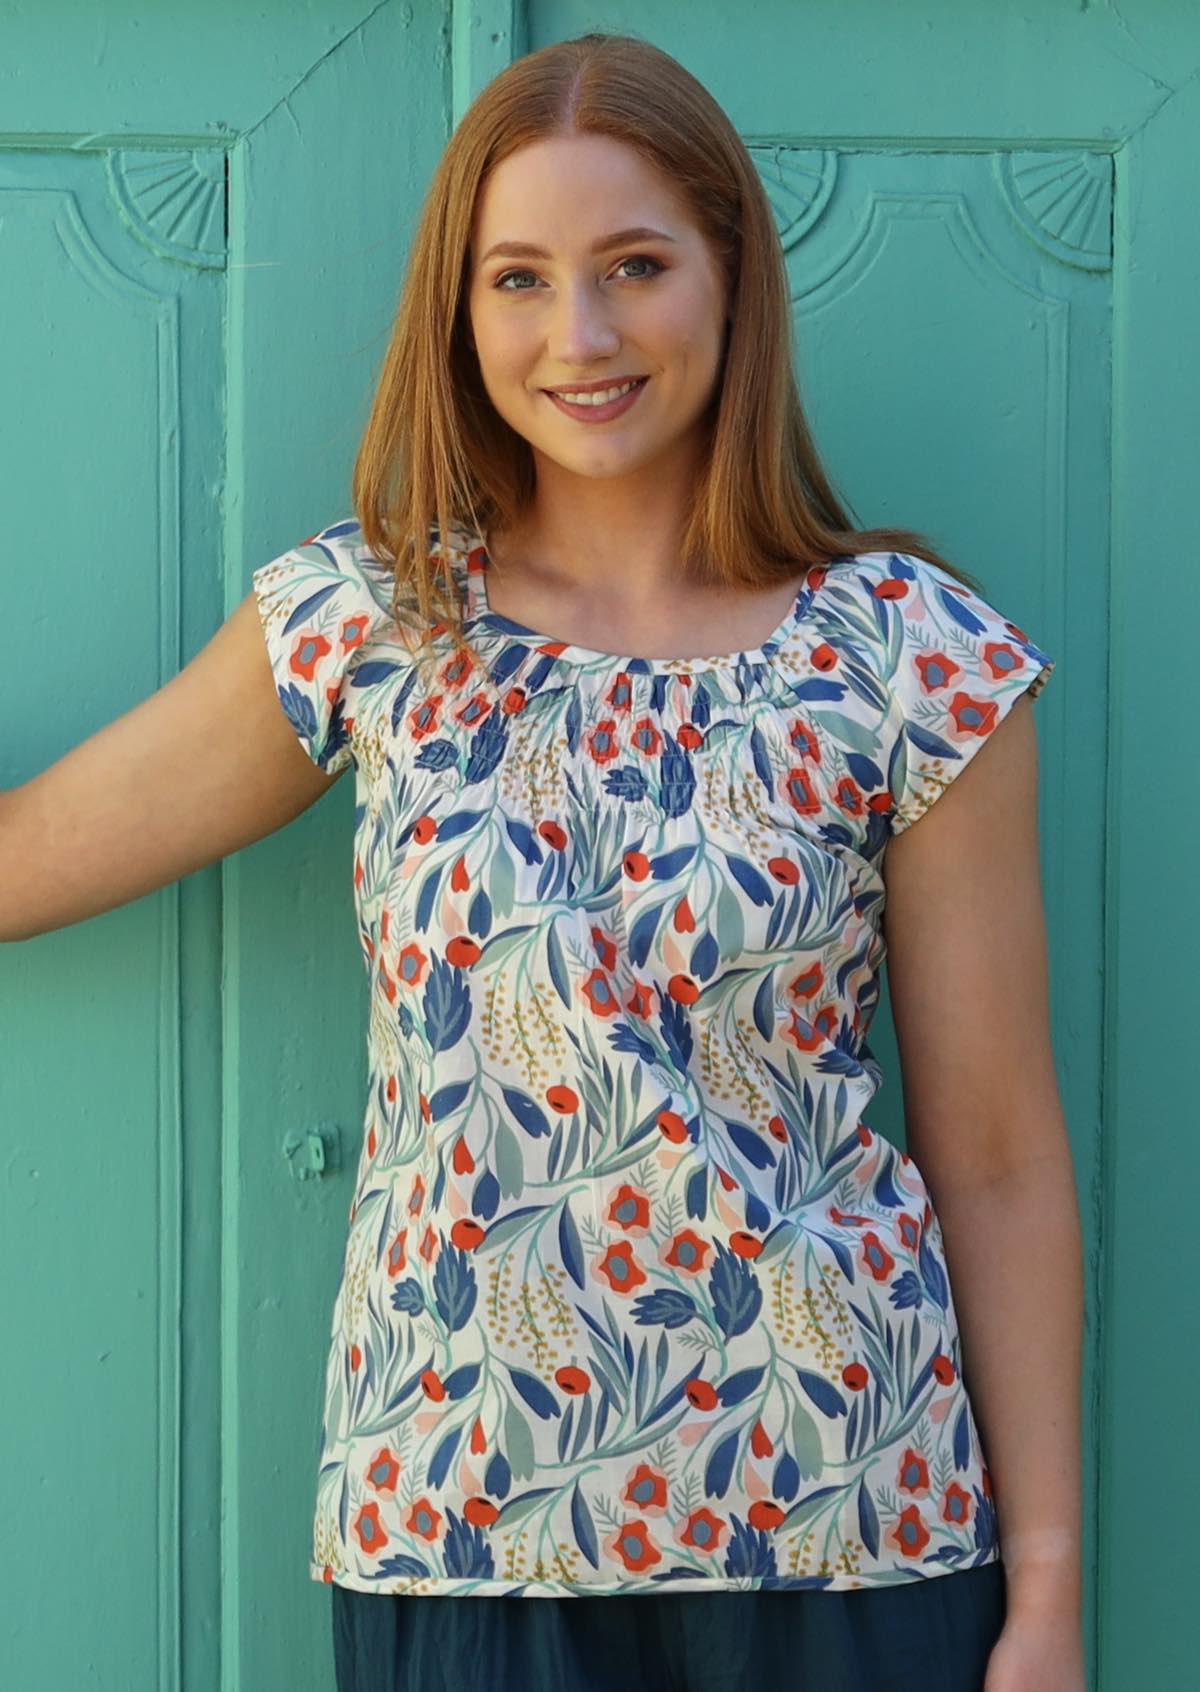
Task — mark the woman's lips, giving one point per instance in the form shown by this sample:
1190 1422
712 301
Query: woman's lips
597 413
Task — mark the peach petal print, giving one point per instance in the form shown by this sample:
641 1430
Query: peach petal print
691 1433
752 1481
941 1407
426 1420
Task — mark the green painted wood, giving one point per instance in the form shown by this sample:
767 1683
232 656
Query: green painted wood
992 284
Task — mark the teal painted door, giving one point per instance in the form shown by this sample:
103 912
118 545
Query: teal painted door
205 218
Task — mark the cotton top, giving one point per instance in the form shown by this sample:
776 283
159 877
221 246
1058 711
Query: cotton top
633 1298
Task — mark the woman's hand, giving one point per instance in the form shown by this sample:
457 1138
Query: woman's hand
1036 1654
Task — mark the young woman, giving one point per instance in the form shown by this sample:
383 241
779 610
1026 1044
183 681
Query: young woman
639 1316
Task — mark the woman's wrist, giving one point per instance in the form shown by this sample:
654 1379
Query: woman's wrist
1042 1572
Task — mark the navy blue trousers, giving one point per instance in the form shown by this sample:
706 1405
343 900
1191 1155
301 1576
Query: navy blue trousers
928 1635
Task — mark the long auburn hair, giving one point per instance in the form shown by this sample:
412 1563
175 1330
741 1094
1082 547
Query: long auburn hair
436 450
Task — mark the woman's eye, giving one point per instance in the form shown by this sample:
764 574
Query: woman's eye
634 258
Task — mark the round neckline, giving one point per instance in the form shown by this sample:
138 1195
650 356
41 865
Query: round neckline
571 652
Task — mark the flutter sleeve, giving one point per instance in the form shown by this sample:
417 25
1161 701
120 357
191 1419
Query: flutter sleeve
955 667
325 608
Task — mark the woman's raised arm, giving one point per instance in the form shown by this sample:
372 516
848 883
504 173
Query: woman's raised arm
206 764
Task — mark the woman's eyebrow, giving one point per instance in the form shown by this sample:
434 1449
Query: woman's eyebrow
523 249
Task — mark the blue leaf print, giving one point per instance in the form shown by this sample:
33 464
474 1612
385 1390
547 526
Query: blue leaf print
488 746
868 1519
439 1463
573 722
447 1099
667 866
785 1482
666 1305
750 1551
465 1551
865 771
497 1477
962 1438
479 916
436 755
458 822
706 955
823 1393
754 885
696 1194
537 1396
584 1528
626 783
933 1276
926 741
524 839
883 1188
816 688
446 1004
762 763
527 1111
569 1245
641 935
735 1293
486 1195
734 1389
906 1291
751 1144
403 1568
719 1468
676 1031
676 781
454 1289
407 1296
960 612
299 710
764 1006
371 671
556 964
304 610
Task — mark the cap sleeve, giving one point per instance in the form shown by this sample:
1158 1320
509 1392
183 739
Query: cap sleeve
956 667
325 608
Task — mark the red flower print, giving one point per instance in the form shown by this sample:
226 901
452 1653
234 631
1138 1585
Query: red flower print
909 1533
743 1244
353 630
460 881
572 1380
646 1490
805 741
845 1218
424 830
597 990
777 1128
382 1470
909 1230
874 1256
423 718
456 669
307 654
704 1531
553 835
416 1197
957 1505
764 1514
480 1512
462 951
943 1369
629 1208
411 965
636 865
513 701
808 982
913 1474
641 1000
1002 659
849 796
799 792
689 736
620 1268
936 669
855 1377
356 1357
620 693
606 946
397 1260
424 1519
683 921
473 710
783 869
466 1234
478 1438
683 989
371 1536
602 740
633 1545
563 1099
892 587
431 1385
973 716
645 738
687 1251
429 1245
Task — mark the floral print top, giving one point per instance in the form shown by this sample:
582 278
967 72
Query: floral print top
633 1297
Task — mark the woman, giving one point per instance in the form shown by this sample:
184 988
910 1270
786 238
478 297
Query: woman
635 1305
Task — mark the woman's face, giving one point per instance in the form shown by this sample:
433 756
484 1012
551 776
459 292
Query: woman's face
651 305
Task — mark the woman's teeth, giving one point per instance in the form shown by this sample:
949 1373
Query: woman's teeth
601 398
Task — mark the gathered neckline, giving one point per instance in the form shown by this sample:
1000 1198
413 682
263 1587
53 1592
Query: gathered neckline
479 611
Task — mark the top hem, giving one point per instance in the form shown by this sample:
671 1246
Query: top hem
434 1587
